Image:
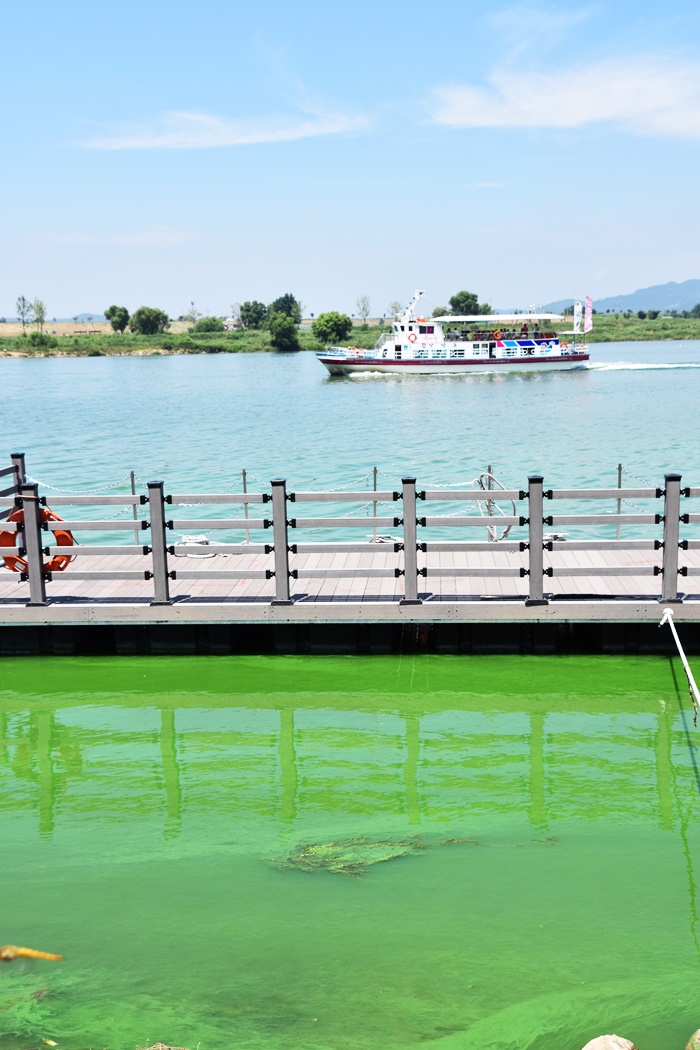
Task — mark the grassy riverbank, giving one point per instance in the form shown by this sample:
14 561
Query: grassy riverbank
103 344
607 328
620 328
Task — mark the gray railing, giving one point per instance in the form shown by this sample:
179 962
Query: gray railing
529 558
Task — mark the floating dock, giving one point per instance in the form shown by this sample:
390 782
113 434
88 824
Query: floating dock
521 585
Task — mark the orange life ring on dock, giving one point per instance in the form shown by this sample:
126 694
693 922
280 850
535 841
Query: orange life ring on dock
62 538
497 334
412 337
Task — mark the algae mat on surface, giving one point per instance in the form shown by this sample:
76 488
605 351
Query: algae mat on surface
141 801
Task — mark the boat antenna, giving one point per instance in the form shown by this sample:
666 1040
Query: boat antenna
409 309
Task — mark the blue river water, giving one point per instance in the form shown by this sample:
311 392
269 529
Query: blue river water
196 421
193 419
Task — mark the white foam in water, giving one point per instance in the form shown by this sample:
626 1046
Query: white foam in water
628 366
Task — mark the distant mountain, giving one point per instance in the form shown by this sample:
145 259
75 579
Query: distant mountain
98 318
79 319
664 297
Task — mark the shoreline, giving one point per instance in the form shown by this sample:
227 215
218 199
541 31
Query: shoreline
194 351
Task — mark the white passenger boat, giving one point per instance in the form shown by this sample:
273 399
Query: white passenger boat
461 343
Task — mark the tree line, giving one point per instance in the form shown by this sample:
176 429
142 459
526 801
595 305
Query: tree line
280 317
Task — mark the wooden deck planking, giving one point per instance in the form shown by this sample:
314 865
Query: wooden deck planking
356 588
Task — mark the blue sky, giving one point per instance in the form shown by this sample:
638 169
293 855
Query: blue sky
161 153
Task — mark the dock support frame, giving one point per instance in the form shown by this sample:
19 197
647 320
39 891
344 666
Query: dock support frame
410 543
672 517
535 497
159 544
29 494
280 541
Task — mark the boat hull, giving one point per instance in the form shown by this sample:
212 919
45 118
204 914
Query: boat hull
338 366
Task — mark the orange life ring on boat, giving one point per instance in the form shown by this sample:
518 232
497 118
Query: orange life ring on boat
497 334
412 337
62 538
563 346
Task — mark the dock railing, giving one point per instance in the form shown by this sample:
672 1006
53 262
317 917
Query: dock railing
532 555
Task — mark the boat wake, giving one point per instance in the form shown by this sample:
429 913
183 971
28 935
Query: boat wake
629 366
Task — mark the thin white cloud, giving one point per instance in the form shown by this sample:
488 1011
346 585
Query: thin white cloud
648 95
148 237
202 131
525 26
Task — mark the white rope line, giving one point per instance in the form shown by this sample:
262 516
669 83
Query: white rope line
692 687
81 492
635 477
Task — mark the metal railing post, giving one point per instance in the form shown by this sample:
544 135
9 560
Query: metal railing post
672 516
18 478
536 540
17 459
410 548
279 538
159 545
33 544
137 538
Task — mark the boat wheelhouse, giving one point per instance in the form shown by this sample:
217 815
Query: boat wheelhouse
461 343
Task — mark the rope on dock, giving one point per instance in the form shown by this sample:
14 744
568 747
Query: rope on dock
83 492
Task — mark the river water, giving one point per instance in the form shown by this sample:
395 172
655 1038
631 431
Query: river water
152 810
536 821
198 420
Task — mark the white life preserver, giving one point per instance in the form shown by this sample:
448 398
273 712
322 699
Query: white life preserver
412 337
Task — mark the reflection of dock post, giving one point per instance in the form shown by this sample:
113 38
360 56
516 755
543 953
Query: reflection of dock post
664 774
44 739
538 805
288 767
171 773
4 754
410 771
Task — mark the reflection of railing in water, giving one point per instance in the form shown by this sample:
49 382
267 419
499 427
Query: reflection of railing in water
526 763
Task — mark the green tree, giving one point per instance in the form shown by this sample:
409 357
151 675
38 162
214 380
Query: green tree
440 311
118 317
641 314
24 312
464 303
287 305
395 308
148 320
39 313
653 314
253 314
208 324
283 332
695 312
331 327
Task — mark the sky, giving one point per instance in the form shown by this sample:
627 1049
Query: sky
167 153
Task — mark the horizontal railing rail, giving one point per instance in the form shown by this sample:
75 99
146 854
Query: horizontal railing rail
411 556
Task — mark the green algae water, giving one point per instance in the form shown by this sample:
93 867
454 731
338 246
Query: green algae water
149 809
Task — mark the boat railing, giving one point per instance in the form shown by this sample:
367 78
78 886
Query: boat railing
415 524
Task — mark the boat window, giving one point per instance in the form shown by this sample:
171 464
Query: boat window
426 329
458 353
397 353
